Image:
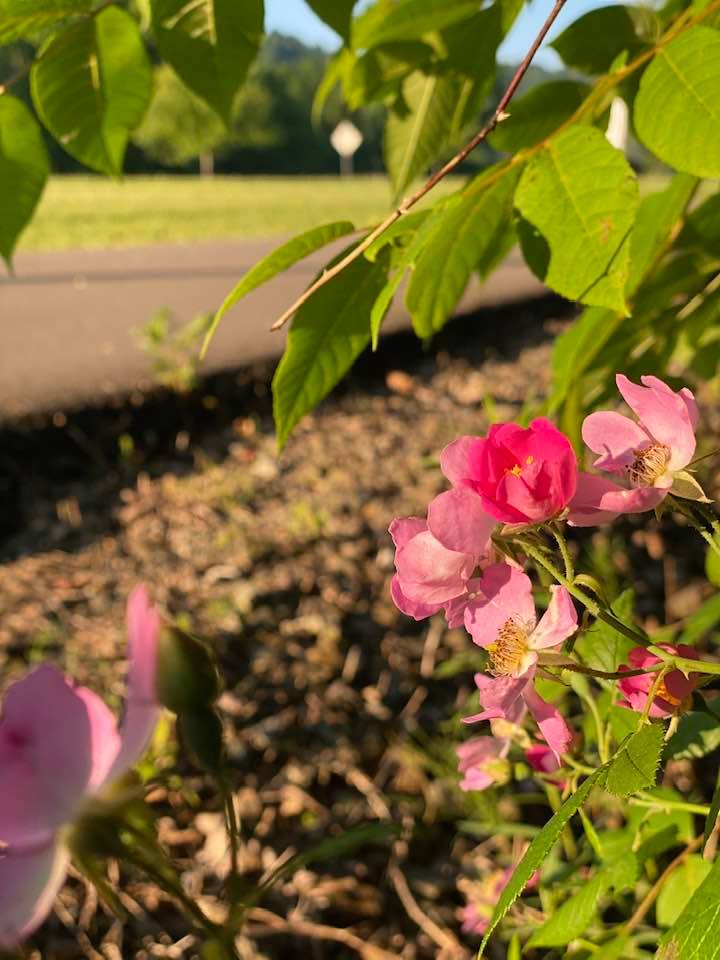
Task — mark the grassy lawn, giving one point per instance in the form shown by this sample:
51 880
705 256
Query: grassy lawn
84 212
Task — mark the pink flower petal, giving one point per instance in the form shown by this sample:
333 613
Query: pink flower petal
475 760
557 623
542 758
615 438
411 608
454 459
141 706
457 520
403 529
105 738
506 595
46 755
664 414
599 501
501 697
552 727
429 573
29 883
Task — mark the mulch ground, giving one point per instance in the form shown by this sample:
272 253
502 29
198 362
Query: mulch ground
333 712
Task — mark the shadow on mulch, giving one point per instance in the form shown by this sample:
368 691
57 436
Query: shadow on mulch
58 467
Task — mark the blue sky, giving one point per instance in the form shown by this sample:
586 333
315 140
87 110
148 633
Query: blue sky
296 18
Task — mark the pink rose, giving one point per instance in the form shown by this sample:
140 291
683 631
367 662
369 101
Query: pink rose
430 575
60 746
483 897
502 620
675 692
541 758
648 455
521 475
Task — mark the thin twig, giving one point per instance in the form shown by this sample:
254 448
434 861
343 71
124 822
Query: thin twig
654 891
452 164
272 923
443 938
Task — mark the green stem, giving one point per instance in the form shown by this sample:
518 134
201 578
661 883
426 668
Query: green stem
652 693
685 663
647 800
595 609
564 550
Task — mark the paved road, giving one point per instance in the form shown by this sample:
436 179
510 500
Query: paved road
67 318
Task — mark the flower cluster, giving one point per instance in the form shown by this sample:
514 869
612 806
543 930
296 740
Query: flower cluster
465 559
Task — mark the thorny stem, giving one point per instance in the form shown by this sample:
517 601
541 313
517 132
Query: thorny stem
600 613
452 164
601 674
651 896
604 86
685 664
564 551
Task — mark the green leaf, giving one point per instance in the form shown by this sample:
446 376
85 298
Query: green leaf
24 168
414 140
576 914
276 262
635 765
210 44
538 851
679 887
407 20
23 18
581 195
335 13
657 217
576 348
595 40
702 622
697 735
328 332
702 227
468 236
684 77
601 646
538 114
91 85
695 935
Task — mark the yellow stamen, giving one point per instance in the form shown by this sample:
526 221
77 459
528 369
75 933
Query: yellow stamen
530 460
649 464
509 649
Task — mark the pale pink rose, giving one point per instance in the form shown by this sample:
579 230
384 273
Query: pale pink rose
520 475
647 454
60 746
675 692
429 575
482 762
502 620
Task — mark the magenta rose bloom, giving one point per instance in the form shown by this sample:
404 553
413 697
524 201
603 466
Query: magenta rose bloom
522 475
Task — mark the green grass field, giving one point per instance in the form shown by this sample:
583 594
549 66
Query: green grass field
85 212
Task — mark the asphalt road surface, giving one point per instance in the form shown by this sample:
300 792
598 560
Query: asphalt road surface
67 318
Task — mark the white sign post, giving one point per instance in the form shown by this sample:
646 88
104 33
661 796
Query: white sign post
345 139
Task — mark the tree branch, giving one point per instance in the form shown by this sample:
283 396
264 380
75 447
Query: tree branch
452 164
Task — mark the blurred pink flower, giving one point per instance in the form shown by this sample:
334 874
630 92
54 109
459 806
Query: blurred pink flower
483 896
430 576
59 747
521 475
674 693
482 762
647 454
542 758
502 620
